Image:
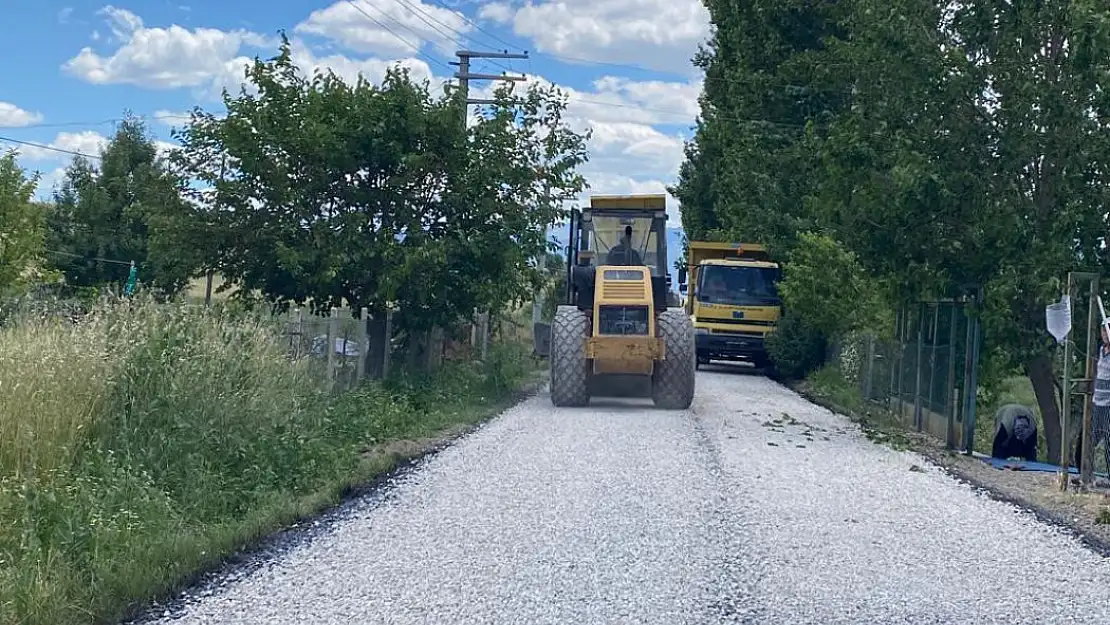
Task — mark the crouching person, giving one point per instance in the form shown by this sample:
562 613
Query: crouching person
1015 433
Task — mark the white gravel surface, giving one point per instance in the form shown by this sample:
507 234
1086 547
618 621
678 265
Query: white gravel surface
620 513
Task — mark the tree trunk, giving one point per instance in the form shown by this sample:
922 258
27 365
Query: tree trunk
1043 377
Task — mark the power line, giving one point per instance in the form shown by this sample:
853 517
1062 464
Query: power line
488 33
572 97
102 122
399 37
428 18
92 258
42 146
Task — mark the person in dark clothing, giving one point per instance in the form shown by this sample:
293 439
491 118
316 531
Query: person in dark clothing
623 253
1015 433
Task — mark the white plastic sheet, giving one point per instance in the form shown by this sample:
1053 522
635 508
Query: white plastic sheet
1058 318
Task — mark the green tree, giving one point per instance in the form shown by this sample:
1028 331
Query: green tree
1049 169
748 168
361 194
971 150
825 286
105 213
21 225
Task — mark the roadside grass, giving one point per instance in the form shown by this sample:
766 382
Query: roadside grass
878 425
883 426
147 443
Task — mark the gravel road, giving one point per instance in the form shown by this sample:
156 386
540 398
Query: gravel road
620 513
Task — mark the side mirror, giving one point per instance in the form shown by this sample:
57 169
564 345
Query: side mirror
682 288
682 275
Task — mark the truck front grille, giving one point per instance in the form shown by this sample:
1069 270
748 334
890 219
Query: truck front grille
623 290
623 320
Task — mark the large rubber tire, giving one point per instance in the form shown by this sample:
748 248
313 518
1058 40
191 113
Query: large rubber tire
672 382
765 365
570 371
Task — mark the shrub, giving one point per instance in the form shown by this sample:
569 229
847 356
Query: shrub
796 348
825 286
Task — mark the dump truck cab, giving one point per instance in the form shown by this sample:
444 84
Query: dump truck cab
615 320
735 302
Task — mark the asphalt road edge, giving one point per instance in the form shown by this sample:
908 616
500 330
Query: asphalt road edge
940 459
255 554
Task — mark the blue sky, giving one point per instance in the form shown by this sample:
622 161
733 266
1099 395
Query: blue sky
71 68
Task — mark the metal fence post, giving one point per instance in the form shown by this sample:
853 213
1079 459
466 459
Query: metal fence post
950 393
333 333
917 367
901 363
973 384
966 395
298 333
867 384
935 328
484 335
387 344
363 344
1087 462
1065 409
892 358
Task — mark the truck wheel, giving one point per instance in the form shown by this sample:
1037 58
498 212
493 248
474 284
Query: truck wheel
569 368
672 382
763 363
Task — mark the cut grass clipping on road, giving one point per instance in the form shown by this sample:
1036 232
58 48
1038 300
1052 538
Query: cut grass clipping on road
148 442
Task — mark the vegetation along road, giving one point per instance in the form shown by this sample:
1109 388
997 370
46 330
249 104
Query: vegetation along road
753 506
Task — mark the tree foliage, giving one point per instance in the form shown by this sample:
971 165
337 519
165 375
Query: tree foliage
952 146
748 166
320 191
21 225
105 216
825 287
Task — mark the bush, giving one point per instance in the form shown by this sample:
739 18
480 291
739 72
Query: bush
796 348
825 286
146 442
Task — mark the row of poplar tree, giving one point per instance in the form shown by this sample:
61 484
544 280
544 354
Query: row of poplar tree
905 150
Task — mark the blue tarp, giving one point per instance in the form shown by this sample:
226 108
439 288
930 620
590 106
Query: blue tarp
1025 465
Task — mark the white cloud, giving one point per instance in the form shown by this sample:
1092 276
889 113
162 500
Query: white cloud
632 150
372 69
165 147
358 25
624 137
161 58
87 142
48 182
608 182
661 34
171 118
11 116
122 22
619 99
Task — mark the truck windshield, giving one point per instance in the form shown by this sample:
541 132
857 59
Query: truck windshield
739 286
613 248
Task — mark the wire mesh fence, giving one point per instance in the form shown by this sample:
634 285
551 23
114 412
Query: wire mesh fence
344 348
922 372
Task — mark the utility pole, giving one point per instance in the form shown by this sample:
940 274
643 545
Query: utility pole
480 332
465 76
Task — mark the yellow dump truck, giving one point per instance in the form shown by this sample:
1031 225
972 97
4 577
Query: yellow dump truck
735 301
